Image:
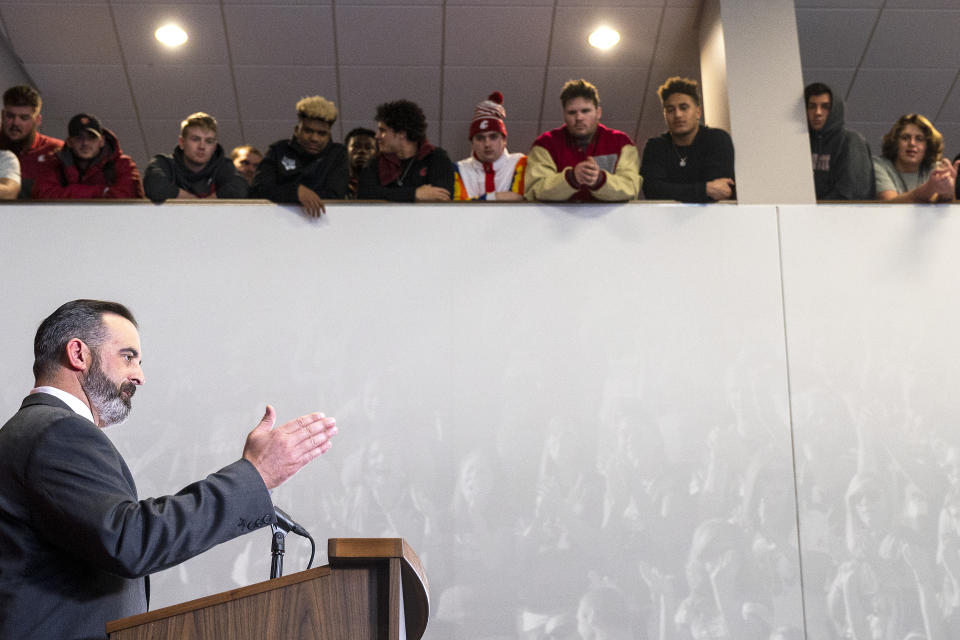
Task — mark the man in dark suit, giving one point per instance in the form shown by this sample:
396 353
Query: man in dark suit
75 541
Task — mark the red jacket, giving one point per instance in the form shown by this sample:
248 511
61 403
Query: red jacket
32 158
112 175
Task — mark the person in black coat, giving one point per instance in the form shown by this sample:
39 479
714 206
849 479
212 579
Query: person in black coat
308 168
197 168
409 168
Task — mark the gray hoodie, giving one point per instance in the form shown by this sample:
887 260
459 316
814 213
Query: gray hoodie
842 166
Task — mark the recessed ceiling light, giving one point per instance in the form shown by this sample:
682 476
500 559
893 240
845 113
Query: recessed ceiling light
604 38
171 35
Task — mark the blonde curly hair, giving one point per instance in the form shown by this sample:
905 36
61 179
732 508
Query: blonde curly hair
317 108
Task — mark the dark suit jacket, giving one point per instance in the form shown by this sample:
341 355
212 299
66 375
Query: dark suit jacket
75 541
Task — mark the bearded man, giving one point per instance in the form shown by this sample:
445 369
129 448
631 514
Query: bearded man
78 543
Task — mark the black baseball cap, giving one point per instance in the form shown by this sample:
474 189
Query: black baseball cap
84 122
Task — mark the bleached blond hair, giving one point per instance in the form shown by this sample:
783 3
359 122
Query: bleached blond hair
317 108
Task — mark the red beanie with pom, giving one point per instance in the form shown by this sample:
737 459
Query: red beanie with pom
489 115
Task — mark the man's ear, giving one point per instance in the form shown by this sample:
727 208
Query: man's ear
79 356
599 112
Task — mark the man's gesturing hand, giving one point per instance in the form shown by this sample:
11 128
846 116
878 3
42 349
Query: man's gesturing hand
279 453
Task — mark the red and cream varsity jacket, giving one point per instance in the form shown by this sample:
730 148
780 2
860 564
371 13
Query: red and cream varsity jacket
555 153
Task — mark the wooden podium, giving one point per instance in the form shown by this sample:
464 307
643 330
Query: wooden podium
373 588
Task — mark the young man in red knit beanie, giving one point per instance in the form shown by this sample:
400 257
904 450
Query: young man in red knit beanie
491 172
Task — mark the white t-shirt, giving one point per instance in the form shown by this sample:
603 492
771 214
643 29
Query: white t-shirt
9 166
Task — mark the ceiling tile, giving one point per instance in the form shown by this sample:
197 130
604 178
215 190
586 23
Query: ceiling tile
203 23
280 35
838 79
161 93
393 45
618 3
97 46
160 135
70 89
261 2
678 44
833 38
366 87
141 2
922 4
454 140
478 36
638 26
32 3
871 131
620 92
387 4
271 92
883 95
906 39
833 4
131 140
951 108
55 127
502 9
951 138
464 87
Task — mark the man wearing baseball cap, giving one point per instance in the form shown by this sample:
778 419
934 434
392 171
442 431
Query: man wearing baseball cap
491 172
91 165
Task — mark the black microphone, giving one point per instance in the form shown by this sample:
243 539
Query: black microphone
285 522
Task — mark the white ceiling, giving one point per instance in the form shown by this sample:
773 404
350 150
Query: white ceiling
248 61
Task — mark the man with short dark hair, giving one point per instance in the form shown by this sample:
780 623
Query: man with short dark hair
77 540
361 148
690 162
91 165
246 158
308 168
582 161
197 168
409 168
491 172
842 162
21 119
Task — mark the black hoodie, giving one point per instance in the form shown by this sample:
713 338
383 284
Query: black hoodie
167 174
842 165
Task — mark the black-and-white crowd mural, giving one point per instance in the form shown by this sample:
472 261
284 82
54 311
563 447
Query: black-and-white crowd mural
598 422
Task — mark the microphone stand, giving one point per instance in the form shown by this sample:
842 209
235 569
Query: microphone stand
284 523
277 549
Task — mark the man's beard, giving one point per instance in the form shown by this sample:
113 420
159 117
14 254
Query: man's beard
111 403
